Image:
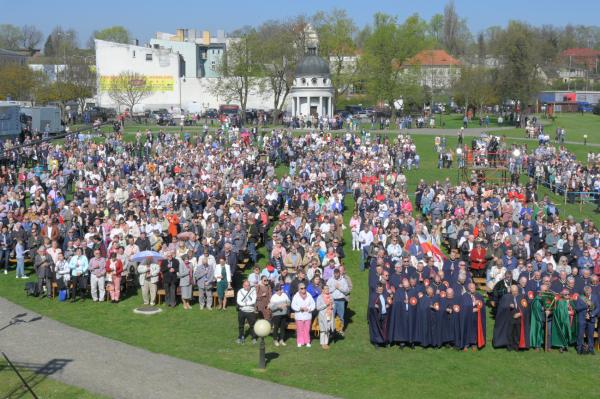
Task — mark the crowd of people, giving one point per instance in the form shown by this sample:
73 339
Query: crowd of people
204 204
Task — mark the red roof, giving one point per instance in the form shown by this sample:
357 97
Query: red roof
433 58
580 52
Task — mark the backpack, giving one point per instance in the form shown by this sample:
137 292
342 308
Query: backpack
31 289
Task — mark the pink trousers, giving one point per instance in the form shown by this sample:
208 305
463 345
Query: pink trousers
303 332
115 293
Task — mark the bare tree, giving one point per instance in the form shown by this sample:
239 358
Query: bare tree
31 37
128 89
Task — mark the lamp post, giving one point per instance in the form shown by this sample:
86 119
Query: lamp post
262 328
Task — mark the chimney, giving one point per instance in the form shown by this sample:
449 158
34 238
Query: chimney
192 35
206 37
221 36
179 35
135 42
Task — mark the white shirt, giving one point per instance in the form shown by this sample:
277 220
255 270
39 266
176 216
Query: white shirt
298 302
365 237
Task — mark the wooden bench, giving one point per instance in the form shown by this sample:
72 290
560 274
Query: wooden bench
314 326
480 283
161 293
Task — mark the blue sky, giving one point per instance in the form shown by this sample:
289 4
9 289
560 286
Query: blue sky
143 18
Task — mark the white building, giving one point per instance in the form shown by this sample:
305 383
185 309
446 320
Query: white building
165 72
436 69
312 92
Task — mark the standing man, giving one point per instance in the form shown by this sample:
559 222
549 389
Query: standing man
246 301
338 288
365 238
204 276
587 307
169 268
43 265
97 266
148 272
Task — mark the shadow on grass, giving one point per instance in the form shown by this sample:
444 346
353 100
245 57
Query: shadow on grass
270 356
35 374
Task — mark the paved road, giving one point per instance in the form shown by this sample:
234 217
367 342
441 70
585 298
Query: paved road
118 370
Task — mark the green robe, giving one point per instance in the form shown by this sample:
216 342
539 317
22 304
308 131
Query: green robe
536 326
561 325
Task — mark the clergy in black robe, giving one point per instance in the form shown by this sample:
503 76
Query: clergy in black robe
413 300
378 316
396 276
451 334
472 319
425 319
534 285
501 288
511 329
437 323
399 316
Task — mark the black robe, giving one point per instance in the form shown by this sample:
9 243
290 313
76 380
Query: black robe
472 323
413 300
378 322
451 321
504 318
399 317
437 322
423 326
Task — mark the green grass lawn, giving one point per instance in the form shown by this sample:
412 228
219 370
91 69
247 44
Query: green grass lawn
46 388
352 368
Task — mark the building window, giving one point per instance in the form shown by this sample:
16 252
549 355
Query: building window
325 81
314 81
148 57
303 81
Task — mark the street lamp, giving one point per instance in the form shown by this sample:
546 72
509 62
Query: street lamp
262 328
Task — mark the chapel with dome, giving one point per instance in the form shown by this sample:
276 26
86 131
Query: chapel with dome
312 91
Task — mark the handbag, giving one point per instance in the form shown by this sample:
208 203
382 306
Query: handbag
62 295
229 293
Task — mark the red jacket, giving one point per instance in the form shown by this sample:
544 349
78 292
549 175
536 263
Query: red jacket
477 258
119 268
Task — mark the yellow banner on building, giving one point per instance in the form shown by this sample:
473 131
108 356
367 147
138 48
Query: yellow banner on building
152 83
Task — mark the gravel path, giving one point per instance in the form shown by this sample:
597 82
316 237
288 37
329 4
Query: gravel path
118 370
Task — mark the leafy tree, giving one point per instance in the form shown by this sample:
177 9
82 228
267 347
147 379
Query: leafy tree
475 88
278 60
18 82
61 43
117 34
240 70
81 78
129 89
518 75
436 28
385 52
336 31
